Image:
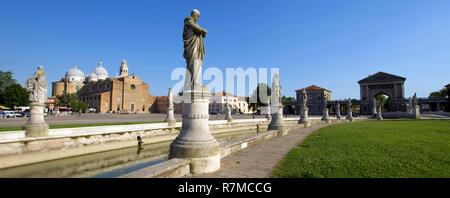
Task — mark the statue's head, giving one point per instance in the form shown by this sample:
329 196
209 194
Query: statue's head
40 67
195 14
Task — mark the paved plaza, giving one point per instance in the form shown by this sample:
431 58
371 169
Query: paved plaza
257 161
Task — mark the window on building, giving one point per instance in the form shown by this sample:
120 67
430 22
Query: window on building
133 87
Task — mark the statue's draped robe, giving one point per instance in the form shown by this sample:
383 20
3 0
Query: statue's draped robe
37 88
305 100
194 50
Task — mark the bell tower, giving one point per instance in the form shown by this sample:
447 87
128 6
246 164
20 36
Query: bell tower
124 68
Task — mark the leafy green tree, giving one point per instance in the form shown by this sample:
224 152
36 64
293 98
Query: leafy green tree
288 100
6 80
385 101
14 95
289 104
439 94
11 93
260 96
72 101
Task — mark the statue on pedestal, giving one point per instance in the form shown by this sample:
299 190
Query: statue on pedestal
304 110
195 141
338 111
325 116
228 117
276 107
379 104
374 107
170 119
37 90
349 110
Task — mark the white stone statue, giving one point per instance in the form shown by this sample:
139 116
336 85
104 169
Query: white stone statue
37 87
349 110
170 94
374 106
415 102
338 111
228 116
194 49
305 98
276 90
170 119
276 107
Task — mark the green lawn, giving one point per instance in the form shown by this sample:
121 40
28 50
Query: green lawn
378 149
60 126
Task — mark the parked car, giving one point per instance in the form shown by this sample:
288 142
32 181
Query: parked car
9 114
18 114
25 113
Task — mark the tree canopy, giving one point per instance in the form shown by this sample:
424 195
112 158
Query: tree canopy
72 101
439 94
260 96
11 93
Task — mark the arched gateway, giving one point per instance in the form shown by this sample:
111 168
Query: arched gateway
382 83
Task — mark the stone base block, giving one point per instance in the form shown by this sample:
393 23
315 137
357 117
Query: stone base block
306 125
204 156
36 129
327 120
282 130
205 165
171 122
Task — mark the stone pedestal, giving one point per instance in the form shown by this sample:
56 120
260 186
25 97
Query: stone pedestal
228 117
170 119
277 122
416 112
379 116
195 141
36 126
325 116
304 117
269 117
349 116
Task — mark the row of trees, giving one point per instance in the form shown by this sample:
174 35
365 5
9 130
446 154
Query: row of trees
439 94
11 93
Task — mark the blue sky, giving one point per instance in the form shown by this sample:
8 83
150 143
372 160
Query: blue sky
330 43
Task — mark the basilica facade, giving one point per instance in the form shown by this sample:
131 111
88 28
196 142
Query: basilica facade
123 93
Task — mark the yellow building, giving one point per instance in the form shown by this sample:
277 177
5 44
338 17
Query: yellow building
124 93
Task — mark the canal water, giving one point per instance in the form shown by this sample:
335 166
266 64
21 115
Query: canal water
107 164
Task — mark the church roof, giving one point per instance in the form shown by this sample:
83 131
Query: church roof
381 77
313 88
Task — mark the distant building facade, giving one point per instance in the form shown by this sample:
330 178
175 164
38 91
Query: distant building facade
124 93
316 97
218 103
382 83
161 104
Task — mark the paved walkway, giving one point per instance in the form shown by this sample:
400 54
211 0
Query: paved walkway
257 161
